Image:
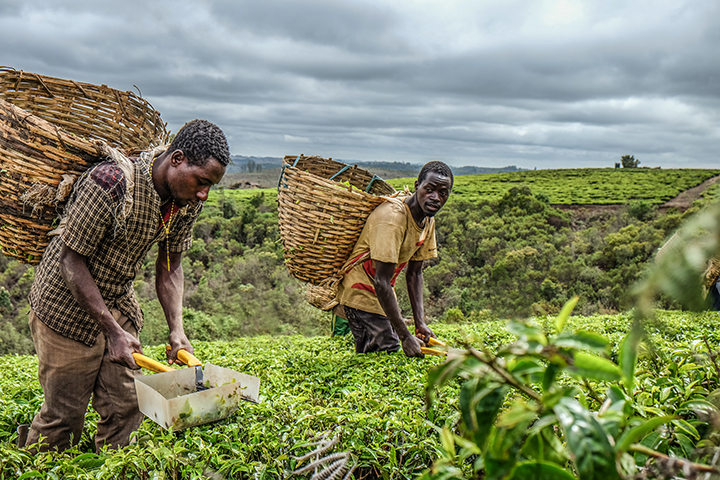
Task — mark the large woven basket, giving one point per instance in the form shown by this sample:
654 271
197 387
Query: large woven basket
51 131
322 208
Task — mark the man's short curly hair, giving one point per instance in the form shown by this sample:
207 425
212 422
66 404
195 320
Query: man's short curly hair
438 167
199 140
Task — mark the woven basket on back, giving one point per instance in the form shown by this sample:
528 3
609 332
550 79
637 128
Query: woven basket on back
322 208
51 131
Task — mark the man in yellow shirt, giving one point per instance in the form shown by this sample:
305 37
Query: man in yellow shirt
397 234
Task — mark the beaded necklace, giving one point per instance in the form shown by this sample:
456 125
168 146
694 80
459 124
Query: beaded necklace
162 219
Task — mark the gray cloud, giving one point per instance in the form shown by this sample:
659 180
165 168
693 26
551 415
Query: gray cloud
348 26
545 84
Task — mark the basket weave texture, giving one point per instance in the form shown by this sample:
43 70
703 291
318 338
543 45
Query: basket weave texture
51 131
322 207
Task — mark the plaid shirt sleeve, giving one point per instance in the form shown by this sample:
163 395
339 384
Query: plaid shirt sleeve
88 218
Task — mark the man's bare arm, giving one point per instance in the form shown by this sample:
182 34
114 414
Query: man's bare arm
169 285
120 344
414 280
384 291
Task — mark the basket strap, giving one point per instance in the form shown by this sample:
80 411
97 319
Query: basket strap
350 264
86 95
375 177
43 84
332 283
338 173
19 80
282 172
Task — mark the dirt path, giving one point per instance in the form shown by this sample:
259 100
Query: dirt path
682 202
686 198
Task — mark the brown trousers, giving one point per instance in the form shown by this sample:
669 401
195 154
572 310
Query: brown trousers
70 372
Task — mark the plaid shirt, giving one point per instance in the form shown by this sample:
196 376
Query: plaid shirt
114 251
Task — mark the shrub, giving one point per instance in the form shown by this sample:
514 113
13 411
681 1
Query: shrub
454 315
641 210
5 303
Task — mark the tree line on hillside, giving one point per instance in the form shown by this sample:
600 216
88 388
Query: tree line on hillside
243 164
514 257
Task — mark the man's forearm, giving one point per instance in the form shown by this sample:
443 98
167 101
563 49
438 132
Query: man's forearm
388 301
169 286
120 344
76 274
384 273
414 281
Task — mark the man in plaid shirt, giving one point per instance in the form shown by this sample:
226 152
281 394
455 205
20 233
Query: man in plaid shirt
84 316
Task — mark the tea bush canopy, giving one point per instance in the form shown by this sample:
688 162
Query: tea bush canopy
376 404
578 186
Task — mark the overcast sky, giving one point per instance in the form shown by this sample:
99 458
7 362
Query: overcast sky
536 84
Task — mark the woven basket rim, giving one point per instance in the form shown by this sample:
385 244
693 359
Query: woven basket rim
51 127
290 161
124 104
6 72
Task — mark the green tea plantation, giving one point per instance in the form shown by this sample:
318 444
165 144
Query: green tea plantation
375 407
579 186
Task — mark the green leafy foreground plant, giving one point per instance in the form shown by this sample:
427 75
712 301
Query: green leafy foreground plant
558 425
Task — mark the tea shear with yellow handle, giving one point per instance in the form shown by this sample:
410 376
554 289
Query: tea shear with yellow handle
433 351
183 355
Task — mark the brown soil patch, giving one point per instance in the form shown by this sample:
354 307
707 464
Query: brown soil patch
685 199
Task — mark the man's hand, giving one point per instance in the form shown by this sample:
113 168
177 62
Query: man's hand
424 333
120 347
178 341
411 346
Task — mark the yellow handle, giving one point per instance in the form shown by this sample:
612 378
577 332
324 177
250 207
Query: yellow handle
431 351
186 357
151 364
435 341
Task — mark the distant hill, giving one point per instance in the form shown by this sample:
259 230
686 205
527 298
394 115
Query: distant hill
243 164
470 170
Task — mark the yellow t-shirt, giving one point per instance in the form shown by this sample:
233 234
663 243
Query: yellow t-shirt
391 236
